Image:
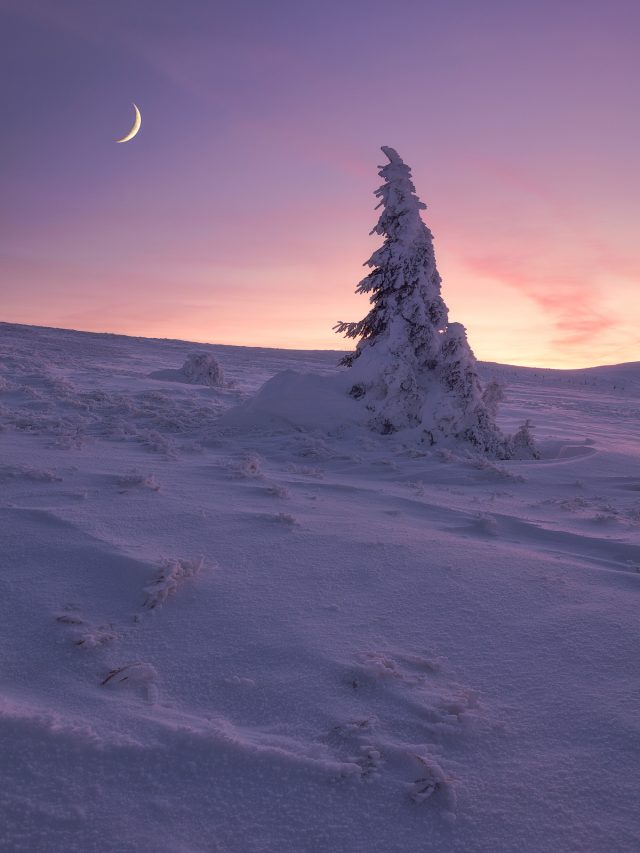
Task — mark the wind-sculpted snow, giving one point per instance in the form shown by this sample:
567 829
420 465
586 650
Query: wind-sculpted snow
235 619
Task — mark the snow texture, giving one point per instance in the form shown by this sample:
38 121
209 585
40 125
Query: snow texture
401 647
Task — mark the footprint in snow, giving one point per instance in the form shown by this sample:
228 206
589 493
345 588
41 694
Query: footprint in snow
353 743
284 518
137 479
441 710
136 679
415 681
83 633
277 491
432 784
362 742
382 666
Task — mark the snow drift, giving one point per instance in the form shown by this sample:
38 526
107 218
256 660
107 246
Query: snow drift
301 402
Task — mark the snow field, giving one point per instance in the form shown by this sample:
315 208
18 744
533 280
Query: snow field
228 625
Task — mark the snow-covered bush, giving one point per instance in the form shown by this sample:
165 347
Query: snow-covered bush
411 368
201 368
492 396
523 443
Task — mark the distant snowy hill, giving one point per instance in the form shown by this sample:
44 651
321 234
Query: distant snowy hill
232 620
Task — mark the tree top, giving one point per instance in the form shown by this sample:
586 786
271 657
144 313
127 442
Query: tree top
392 154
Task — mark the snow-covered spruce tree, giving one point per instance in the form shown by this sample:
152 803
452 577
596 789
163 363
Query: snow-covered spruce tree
411 367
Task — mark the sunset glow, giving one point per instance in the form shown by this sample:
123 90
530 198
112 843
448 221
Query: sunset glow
240 213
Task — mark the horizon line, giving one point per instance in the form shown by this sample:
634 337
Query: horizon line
286 349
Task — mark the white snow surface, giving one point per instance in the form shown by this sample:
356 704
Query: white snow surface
244 623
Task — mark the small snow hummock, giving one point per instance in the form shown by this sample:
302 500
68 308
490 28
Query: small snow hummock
201 368
411 367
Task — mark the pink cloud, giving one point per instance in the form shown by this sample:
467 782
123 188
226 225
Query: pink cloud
572 300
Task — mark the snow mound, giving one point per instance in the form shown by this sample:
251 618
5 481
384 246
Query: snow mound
298 401
558 451
201 368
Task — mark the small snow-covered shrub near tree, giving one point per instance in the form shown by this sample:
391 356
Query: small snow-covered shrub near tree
523 444
492 396
201 368
411 368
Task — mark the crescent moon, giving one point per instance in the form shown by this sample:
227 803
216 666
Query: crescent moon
137 122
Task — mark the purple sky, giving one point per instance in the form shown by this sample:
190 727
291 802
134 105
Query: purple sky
241 212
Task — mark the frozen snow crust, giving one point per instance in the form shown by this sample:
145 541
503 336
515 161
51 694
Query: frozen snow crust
237 620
